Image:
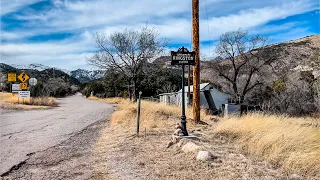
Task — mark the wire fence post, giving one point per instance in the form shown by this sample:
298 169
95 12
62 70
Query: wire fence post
138 116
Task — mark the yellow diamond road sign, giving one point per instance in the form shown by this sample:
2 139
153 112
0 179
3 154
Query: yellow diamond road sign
23 86
12 77
23 77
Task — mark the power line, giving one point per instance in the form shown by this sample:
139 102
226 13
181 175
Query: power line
208 26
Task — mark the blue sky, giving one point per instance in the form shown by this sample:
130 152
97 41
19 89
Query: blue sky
61 33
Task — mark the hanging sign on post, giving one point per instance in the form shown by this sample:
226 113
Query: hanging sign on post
183 57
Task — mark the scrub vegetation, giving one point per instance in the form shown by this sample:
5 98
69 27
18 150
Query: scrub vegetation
11 101
285 145
290 143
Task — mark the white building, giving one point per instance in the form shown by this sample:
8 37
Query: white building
210 97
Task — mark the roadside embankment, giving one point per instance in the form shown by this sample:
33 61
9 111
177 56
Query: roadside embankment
251 147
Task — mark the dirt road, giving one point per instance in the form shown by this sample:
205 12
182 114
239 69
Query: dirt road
27 132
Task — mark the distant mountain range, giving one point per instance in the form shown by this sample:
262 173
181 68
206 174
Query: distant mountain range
84 76
81 75
38 71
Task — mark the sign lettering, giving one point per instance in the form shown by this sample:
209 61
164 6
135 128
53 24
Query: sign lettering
182 58
16 87
12 77
24 94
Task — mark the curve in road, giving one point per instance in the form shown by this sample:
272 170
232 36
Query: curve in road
26 132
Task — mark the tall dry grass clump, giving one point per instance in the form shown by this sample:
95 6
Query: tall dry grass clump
40 101
113 100
290 143
153 115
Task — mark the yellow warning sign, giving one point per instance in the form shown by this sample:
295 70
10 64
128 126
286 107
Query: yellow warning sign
12 77
23 86
23 77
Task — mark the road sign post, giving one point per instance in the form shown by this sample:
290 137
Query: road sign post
23 77
23 94
15 87
23 86
12 77
33 81
183 57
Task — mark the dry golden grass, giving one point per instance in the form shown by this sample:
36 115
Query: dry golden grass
13 99
290 143
123 155
114 100
153 115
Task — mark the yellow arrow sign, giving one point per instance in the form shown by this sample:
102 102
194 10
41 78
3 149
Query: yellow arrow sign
12 77
23 77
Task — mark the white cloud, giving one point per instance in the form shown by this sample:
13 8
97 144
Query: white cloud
7 6
172 19
250 18
66 54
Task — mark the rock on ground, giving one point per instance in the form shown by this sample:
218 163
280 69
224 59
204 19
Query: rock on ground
205 156
190 147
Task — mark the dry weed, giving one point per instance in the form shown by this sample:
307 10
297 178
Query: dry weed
115 100
281 140
291 143
153 115
40 101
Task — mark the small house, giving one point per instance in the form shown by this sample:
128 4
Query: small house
210 97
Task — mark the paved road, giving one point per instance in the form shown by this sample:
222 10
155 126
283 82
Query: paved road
27 132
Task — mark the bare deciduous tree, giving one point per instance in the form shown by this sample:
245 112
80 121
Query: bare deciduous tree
127 52
240 60
3 77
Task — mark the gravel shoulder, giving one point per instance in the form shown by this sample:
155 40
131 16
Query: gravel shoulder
127 156
27 132
71 159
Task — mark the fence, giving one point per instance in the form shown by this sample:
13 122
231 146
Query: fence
151 99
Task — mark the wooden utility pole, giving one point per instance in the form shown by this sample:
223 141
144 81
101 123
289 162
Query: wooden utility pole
196 68
189 84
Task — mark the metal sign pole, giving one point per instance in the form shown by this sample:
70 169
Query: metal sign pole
183 116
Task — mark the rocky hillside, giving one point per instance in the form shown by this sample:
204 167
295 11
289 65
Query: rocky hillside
38 70
293 56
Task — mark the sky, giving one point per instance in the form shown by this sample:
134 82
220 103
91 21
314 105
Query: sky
61 33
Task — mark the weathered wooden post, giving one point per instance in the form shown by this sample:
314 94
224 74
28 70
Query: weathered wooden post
138 116
196 67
